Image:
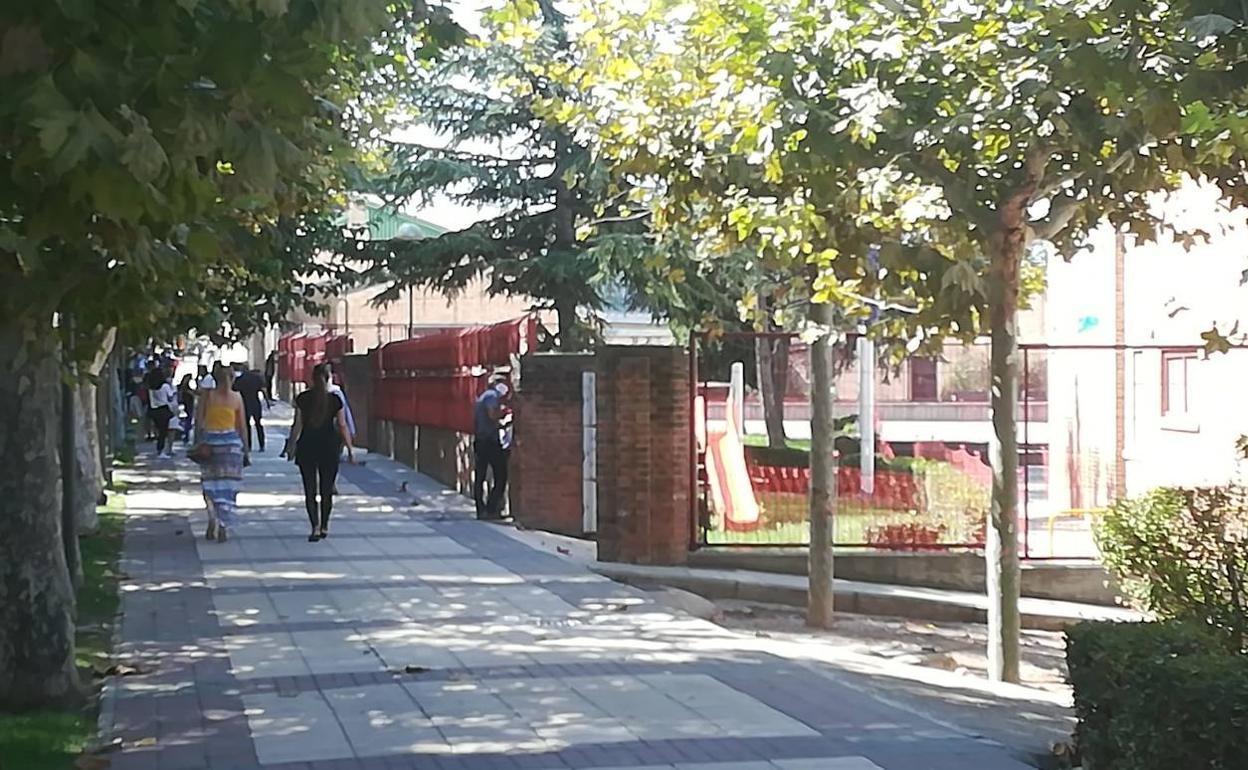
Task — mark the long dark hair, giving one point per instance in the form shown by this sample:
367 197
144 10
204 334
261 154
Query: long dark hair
318 400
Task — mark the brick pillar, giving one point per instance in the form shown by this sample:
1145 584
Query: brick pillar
643 455
546 459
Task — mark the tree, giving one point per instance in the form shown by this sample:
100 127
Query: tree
945 135
492 149
703 103
1033 121
149 151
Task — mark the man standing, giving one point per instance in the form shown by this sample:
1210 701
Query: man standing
250 385
488 452
270 371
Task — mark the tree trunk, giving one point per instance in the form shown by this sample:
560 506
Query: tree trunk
36 598
90 472
89 466
71 473
1001 549
569 328
771 358
819 609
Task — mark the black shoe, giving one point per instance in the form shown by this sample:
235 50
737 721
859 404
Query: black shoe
312 538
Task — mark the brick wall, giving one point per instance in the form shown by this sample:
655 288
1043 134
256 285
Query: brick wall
546 464
643 455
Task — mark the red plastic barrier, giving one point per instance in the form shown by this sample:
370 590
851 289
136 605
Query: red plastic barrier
338 346
285 357
297 354
434 380
449 351
893 490
434 401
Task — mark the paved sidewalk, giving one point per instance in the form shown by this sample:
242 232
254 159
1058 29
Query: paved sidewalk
416 637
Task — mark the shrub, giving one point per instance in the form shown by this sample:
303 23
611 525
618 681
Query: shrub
1181 553
1158 696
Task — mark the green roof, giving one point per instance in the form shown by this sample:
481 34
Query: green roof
384 224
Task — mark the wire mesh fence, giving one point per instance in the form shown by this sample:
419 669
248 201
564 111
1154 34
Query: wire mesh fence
1095 423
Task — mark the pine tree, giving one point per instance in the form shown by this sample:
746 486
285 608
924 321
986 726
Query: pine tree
562 225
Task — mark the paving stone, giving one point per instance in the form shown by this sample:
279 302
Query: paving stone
420 639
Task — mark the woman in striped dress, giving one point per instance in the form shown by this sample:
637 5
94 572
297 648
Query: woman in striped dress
219 426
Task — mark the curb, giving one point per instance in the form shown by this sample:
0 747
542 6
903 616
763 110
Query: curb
856 597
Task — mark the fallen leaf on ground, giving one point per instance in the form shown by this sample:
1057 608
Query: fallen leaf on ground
413 669
563 550
144 742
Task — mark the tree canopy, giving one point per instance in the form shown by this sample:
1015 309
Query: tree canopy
905 155
552 233
164 159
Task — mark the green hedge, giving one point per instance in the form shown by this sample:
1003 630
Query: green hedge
1158 696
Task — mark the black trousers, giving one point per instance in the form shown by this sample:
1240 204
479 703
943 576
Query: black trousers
254 418
489 456
161 416
319 475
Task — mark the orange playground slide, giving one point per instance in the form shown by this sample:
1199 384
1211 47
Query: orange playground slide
732 494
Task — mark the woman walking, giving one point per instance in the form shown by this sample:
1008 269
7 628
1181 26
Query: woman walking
186 399
162 401
315 444
222 450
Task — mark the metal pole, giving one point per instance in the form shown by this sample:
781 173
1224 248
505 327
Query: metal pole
694 523
866 413
1026 453
411 318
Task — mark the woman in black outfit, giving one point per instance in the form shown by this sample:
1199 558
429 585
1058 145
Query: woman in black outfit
317 438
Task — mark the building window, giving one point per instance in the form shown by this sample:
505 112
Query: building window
923 383
1176 382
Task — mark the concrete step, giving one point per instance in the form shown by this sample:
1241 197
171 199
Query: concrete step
858 597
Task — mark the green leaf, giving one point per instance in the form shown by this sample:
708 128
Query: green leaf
1215 341
272 8
203 246
140 151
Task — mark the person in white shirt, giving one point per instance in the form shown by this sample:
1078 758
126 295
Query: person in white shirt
162 400
337 390
206 381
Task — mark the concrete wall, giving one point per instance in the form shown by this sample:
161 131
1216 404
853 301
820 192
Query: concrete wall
403 448
1069 581
356 373
442 455
446 456
546 481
